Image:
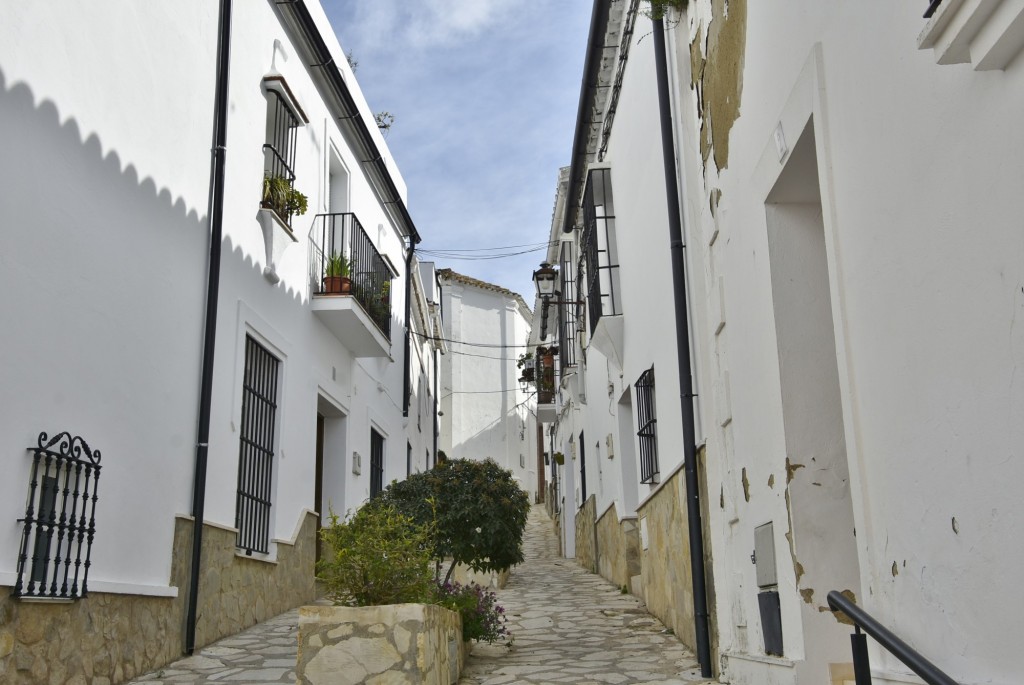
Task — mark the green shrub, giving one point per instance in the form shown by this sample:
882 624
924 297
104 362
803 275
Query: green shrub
483 619
475 511
378 556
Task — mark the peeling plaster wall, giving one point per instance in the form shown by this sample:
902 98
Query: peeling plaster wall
920 166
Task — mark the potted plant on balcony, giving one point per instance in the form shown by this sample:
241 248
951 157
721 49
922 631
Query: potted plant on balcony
525 364
336 275
280 196
385 294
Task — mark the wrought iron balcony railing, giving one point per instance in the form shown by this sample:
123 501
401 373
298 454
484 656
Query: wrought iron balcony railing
344 262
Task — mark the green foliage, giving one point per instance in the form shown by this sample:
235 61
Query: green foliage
659 8
475 510
338 265
378 556
483 619
279 195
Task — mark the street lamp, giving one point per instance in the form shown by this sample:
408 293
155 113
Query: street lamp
545 278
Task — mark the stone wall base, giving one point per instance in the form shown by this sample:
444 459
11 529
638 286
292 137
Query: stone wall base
618 548
397 644
665 563
106 639
586 538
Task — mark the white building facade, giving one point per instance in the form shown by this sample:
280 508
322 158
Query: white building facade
485 411
316 399
852 278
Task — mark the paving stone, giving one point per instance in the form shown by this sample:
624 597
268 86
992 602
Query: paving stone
568 626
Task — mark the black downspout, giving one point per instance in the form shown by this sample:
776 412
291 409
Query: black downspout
220 126
407 374
437 430
683 352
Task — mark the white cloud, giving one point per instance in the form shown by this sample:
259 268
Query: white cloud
394 24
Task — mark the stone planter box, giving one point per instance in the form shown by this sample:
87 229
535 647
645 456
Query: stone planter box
395 643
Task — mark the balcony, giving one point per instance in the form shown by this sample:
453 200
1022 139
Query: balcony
547 410
351 285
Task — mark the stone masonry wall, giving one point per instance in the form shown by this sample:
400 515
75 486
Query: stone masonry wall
618 548
586 554
105 639
399 644
665 564
236 592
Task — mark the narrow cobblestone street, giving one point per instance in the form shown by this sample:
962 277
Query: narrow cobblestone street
568 626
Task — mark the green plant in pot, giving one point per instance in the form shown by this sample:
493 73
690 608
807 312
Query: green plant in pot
336 275
280 196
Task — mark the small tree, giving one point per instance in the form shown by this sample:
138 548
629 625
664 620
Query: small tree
475 511
379 556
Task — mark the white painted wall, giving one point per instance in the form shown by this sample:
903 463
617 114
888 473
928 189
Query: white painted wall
486 413
919 167
105 273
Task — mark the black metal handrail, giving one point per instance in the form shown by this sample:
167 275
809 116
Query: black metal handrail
344 261
928 671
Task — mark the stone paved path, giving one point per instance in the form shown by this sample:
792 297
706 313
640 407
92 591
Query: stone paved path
568 626
573 626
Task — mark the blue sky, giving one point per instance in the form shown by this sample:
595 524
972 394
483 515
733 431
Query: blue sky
484 95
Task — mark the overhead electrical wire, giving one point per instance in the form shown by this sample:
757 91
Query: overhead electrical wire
470 344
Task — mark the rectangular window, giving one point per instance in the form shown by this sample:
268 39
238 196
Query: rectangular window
598 242
256 448
279 157
376 463
583 470
648 422
60 522
567 311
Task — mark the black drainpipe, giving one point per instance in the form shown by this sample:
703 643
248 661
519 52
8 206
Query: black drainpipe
675 228
220 127
407 374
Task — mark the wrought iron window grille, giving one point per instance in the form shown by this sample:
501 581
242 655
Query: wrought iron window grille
647 419
256 448
60 519
279 150
599 246
567 312
376 463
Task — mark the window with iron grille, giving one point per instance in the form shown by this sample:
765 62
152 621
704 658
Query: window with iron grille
598 243
648 422
279 155
583 470
376 463
567 311
60 519
256 448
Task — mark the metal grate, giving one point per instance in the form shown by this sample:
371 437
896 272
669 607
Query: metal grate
376 463
648 422
583 470
598 246
279 151
60 520
256 448
613 100
567 310
344 261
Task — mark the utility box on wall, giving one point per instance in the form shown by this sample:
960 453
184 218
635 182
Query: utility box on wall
768 583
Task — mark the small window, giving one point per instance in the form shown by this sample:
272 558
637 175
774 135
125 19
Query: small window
60 519
376 463
648 422
279 158
256 448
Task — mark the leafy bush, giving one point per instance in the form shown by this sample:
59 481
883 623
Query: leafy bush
475 510
483 619
378 556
